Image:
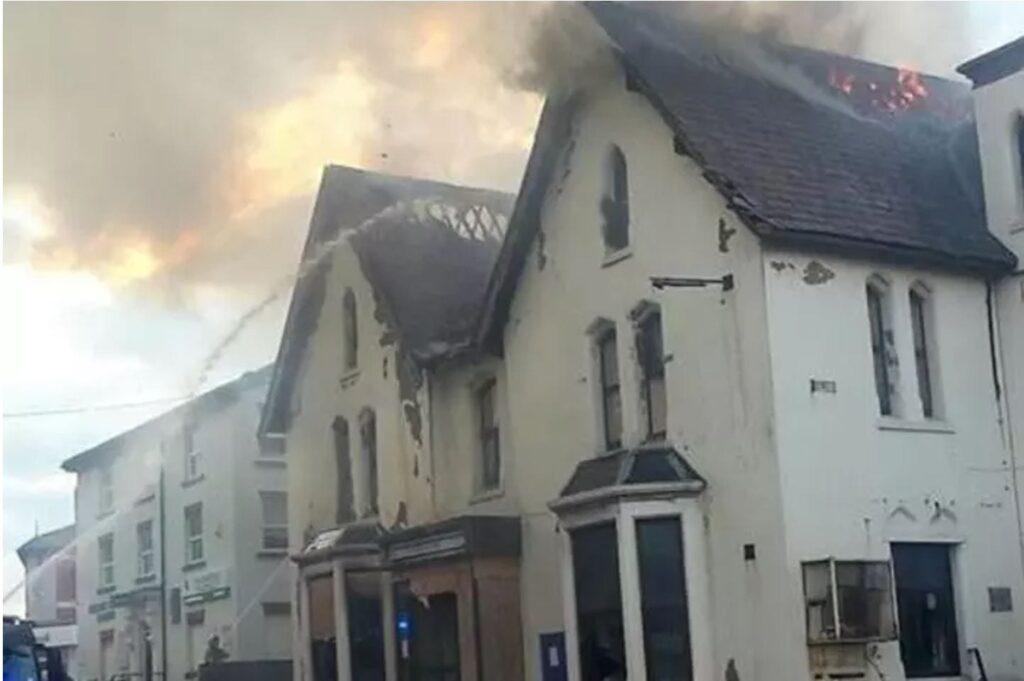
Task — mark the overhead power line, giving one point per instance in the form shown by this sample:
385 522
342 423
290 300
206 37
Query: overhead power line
94 407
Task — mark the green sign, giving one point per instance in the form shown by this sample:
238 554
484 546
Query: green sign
206 596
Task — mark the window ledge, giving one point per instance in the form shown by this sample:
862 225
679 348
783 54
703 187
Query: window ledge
108 589
148 496
271 553
105 514
271 462
193 481
483 495
190 567
929 426
146 579
616 256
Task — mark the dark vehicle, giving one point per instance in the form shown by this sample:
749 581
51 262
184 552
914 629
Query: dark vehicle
26 660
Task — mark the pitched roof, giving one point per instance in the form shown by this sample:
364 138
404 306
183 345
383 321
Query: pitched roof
887 170
222 394
995 64
425 247
45 544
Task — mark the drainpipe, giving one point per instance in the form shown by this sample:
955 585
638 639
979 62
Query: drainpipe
163 581
1003 406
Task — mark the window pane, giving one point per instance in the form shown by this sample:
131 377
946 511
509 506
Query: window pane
877 320
609 360
659 544
613 419
818 601
595 562
368 428
924 595
924 379
344 512
865 609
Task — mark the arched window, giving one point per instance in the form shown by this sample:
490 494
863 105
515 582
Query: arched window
615 201
351 329
650 353
882 346
921 326
344 508
1019 134
368 442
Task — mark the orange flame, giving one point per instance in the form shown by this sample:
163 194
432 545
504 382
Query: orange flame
906 92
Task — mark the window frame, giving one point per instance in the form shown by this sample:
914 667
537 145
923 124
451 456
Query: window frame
341 432
877 295
106 564
835 603
192 456
488 434
273 528
625 514
651 315
106 489
370 483
615 214
350 330
922 328
193 540
607 389
145 555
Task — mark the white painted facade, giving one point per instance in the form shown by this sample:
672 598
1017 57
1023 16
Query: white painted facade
222 589
795 473
998 107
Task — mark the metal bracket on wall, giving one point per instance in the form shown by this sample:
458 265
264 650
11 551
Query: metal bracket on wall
726 282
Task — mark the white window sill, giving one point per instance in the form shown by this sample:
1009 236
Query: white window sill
929 426
349 377
271 461
617 256
486 495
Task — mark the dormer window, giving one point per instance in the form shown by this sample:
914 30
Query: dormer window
615 202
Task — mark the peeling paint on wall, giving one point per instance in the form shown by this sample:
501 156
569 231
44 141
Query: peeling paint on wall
542 256
410 379
724 235
781 265
815 273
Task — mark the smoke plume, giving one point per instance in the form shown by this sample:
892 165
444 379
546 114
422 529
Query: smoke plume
181 142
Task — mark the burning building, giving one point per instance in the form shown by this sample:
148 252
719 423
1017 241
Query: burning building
722 398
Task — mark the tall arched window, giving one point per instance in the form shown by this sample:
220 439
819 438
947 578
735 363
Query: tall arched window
921 327
344 508
351 330
882 345
615 202
368 442
1019 134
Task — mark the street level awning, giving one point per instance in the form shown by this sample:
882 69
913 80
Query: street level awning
470 536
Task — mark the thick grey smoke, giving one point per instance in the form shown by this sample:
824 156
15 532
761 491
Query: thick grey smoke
182 141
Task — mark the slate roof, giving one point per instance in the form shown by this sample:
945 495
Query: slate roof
45 544
426 248
803 163
996 64
629 469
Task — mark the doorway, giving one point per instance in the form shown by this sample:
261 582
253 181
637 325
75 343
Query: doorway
365 626
428 636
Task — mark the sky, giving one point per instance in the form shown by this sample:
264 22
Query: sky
160 163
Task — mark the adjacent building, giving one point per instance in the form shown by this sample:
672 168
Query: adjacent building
181 534
730 391
50 603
